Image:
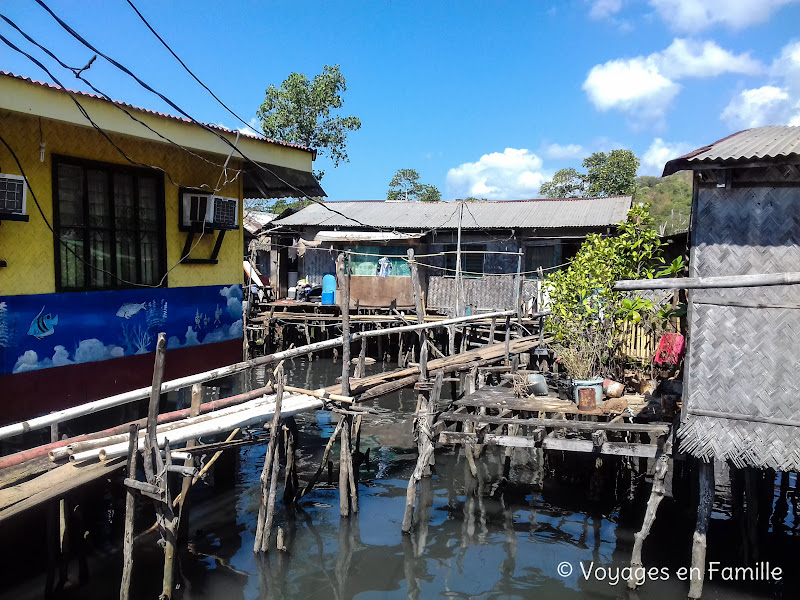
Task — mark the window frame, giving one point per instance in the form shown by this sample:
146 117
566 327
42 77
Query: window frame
450 263
554 245
110 170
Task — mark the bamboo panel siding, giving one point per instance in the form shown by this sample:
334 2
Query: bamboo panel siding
638 345
744 344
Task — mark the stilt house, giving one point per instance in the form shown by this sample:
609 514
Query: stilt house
741 382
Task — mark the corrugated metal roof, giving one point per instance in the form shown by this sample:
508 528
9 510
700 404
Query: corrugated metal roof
254 220
770 144
510 214
157 113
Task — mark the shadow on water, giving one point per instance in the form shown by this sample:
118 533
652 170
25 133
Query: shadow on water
484 537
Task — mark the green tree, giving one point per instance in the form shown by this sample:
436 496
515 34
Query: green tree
303 111
566 183
405 185
612 174
670 200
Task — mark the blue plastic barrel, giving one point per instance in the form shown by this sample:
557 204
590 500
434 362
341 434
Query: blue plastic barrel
328 290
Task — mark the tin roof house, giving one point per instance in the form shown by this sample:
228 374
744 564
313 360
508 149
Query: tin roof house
110 234
498 238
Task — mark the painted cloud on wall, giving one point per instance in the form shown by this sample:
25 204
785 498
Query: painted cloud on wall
233 294
86 351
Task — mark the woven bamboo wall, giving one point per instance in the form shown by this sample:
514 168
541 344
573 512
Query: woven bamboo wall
482 293
744 346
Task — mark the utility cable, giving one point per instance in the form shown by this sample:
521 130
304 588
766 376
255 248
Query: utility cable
225 140
188 70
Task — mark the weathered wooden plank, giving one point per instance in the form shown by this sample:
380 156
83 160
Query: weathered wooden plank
612 448
514 441
650 428
457 437
54 484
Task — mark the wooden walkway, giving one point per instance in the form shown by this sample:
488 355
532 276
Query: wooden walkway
494 416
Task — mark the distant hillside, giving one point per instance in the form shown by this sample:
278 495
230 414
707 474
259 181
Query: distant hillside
670 199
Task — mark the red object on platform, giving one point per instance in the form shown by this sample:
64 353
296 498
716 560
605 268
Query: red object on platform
670 349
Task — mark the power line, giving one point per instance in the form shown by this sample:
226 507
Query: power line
188 70
225 140
78 74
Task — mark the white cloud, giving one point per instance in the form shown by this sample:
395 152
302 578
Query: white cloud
645 86
775 103
603 9
691 16
93 350
191 340
87 351
509 175
560 152
634 86
690 58
659 153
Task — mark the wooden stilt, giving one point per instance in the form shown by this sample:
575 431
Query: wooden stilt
324 461
491 330
362 361
706 504
344 463
451 340
508 341
186 484
656 496
343 276
130 507
269 475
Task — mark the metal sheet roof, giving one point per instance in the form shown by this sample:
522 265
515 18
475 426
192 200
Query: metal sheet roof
497 214
760 144
254 220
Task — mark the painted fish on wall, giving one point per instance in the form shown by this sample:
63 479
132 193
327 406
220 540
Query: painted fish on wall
129 309
43 325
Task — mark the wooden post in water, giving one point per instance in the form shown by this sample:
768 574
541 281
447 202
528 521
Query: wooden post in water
343 277
417 289
268 480
130 507
186 484
428 399
706 504
344 463
656 495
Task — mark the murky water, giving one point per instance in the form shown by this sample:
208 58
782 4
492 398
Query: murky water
486 538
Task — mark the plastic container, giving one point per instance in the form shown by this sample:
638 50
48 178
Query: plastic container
291 293
537 384
328 290
595 384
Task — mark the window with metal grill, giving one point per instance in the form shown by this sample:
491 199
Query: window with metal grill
109 225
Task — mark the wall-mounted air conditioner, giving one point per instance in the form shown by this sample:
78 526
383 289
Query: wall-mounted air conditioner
217 211
13 192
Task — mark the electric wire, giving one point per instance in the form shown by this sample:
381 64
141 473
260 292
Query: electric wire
78 74
225 140
188 70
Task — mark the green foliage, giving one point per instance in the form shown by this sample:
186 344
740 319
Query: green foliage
566 183
302 111
273 206
670 199
587 316
405 185
612 174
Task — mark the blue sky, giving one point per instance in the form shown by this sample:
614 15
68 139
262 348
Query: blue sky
482 98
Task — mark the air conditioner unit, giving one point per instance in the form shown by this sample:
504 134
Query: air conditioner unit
217 211
13 192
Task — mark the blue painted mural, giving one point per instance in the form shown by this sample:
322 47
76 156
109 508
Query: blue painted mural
52 330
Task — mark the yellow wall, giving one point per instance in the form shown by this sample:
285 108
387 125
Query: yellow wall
28 247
